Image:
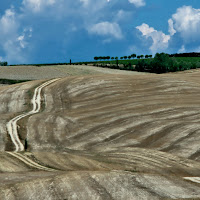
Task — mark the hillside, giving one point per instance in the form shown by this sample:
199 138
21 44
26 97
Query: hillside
54 71
101 136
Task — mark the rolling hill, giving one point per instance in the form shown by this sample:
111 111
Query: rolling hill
105 135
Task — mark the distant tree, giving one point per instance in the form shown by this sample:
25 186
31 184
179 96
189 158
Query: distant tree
121 58
133 55
96 58
3 63
138 57
129 57
70 61
112 58
108 57
150 56
146 56
100 58
142 56
116 58
125 57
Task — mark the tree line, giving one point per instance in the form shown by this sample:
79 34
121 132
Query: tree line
163 63
132 56
192 54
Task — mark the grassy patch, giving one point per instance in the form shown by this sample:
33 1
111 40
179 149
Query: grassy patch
10 81
187 59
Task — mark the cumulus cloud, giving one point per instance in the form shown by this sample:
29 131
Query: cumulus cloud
171 29
106 29
12 42
37 5
138 3
160 40
8 22
186 21
59 21
122 15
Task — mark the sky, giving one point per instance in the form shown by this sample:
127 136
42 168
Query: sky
55 31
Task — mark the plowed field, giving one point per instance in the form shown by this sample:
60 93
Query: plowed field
102 136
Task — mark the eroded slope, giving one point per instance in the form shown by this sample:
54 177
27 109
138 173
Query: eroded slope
101 112
105 137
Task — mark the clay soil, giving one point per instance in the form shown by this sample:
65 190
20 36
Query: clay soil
107 134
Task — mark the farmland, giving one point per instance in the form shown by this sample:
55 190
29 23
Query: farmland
100 133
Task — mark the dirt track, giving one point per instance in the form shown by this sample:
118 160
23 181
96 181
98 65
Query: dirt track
109 136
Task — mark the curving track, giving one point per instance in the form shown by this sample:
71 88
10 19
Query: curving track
12 129
30 162
12 124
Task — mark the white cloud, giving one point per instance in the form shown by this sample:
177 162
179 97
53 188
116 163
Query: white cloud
8 22
122 16
145 29
182 49
37 5
186 21
138 3
106 29
171 29
12 40
87 2
160 40
22 39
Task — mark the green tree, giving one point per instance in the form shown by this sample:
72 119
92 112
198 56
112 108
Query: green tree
121 58
138 57
146 56
3 63
142 66
133 55
96 58
162 63
129 57
116 58
125 57
142 56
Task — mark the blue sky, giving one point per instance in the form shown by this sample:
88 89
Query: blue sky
46 31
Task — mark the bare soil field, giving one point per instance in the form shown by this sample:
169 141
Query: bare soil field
101 136
54 71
